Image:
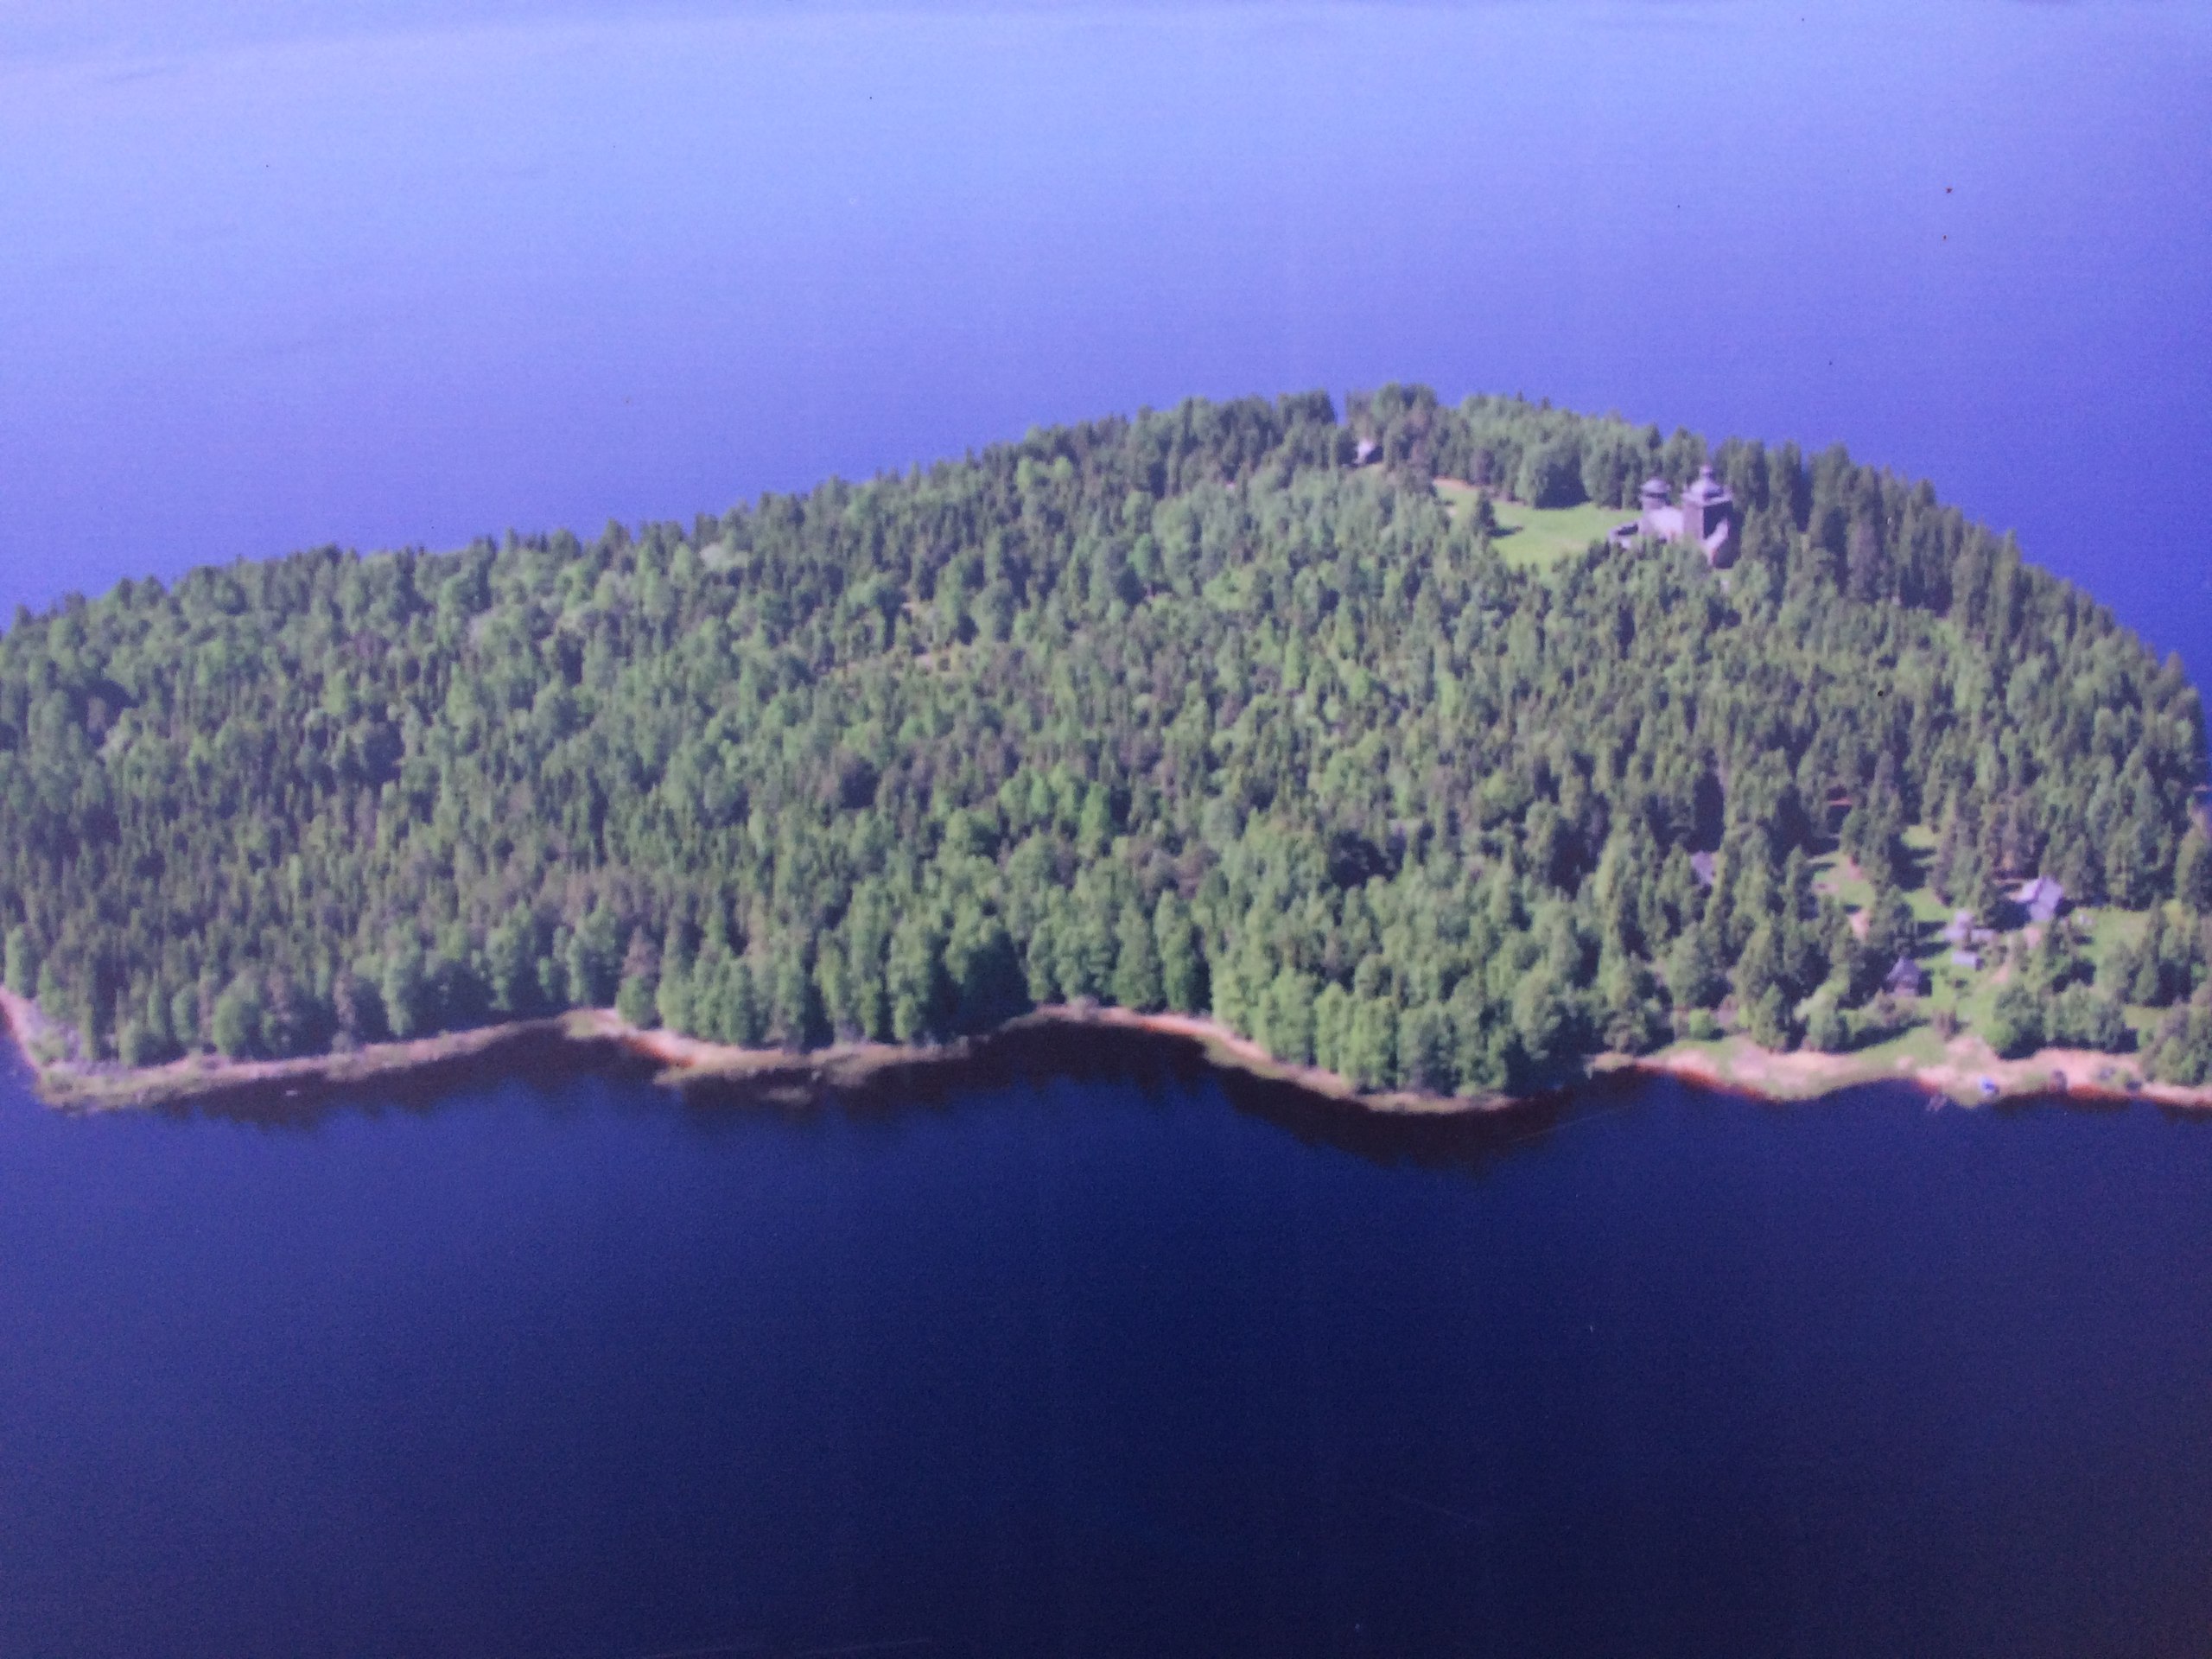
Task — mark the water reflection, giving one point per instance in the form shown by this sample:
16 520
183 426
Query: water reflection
1156 1067
1079 1361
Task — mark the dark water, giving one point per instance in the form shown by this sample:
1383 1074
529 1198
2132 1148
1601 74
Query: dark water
391 271
1111 1363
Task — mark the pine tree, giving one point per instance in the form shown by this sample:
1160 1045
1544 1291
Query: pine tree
1182 966
1137 974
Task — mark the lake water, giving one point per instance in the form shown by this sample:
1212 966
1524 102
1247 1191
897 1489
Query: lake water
1111 1360
390 271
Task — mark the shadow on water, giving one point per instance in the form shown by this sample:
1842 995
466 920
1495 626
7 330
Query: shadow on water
1159 1067
541 1061
538 1059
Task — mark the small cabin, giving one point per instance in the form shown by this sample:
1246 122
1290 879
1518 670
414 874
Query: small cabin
2043 898
1907 978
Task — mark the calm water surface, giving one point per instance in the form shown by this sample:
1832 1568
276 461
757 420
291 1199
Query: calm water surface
1106 1364
1097 1364
389 272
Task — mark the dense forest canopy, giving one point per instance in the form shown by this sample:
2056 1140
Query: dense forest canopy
1186 711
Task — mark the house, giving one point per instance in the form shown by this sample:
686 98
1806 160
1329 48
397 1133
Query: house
1908 978
1701 868
1966 959
1706 517
1960 929
2043 898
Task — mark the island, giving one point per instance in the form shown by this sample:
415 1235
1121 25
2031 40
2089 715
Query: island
1433 756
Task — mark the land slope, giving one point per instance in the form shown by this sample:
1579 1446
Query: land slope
1199 715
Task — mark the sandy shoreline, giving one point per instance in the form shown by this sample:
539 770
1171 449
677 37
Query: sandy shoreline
1968 1073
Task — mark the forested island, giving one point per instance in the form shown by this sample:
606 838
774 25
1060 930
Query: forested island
1346 738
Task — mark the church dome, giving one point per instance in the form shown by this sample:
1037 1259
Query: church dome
1707 488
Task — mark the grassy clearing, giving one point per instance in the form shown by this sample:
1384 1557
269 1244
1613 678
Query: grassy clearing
1834 876
1537 538
1532 537
1968 993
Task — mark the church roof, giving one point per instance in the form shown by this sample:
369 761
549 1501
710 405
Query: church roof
1708 489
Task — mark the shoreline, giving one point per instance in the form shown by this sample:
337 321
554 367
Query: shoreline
1969 1074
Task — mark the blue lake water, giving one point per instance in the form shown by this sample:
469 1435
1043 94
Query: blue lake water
394 271
1127 1360
1111 1363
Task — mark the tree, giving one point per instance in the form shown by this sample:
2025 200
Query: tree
916 981
1541 1015
638 1001
1182 965
1633 1022
511 961
2082 1018
2180 1050
1767 1018
184 1018
744 1019
1040 963
1425 1051
987 979
135 1046
1300 720
637 995
833 979
1290 1017
596 958
406 1002
1826 1029
1759 969
22 961
237 1020
795 1014
2015 1022
1137 977
1095 833
1892 932
2192 871
1693 978
1551 476
1087 948
1370 1057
